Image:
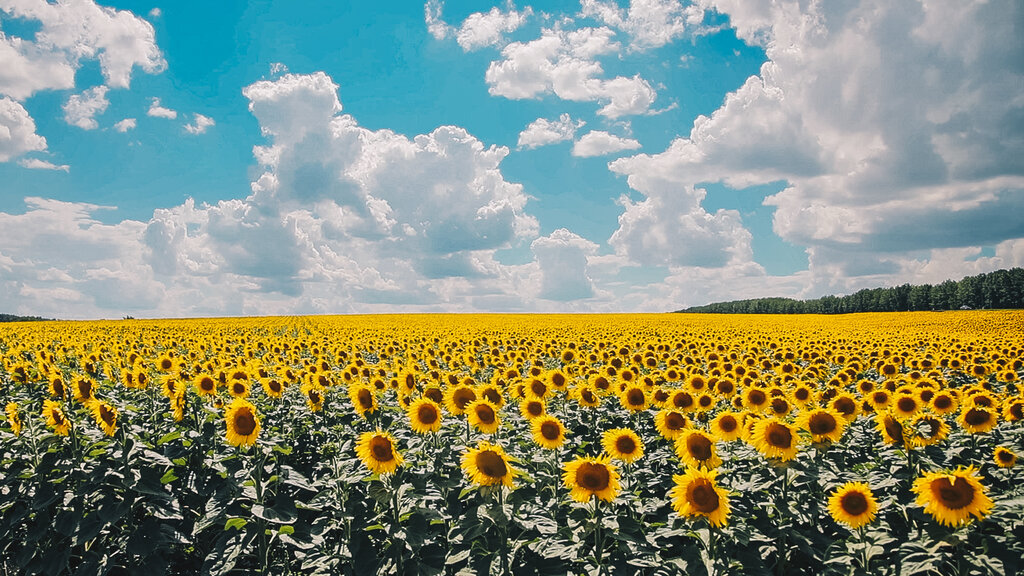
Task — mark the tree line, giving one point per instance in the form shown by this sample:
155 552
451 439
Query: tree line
13 318
1000 289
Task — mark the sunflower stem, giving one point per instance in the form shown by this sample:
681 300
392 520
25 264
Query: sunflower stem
865 560
598 540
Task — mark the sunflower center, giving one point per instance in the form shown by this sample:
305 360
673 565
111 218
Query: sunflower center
802 394
365 398
780 406
558 379
380 449
538 388
880 397
756 397
704 497
779 436
427 414
58 418
274 386
682 400
588 397
1017 410
491 395
1004 456
854 503
85 388
245 422
165 364
534 408
943 402
845 406
906 404
822 423
491 464
635 397
206 384
550 431
107 415
728 423
462 397
699 446
485 414
954 495
893 428
434 394
725 387
238 388
705 401
314 396
976 417
593 476
625 445
674 421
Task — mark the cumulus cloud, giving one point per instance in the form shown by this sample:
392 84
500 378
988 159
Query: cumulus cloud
542 132
17 131
562 259
158 111
650 23
37 164
81 109
564 63
125 125
200 124
601 143
895 129
478 30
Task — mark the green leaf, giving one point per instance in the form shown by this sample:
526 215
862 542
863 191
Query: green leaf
168 477
168 437
236 523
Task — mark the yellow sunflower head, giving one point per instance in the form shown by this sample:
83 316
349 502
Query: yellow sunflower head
458 398
532 408
927 429
205 385
634 398
697 449
548 432
824 425
727 426
775 439
13 417
847 405
622 444
56 418
483 416
424 415
586 396
891 429
363 398
670 423
853 504
243 425
695 493
105 416
586 477
1004 457
273 387
977 419
378 453
952 498
488 465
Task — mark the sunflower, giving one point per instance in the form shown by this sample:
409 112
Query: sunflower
488 465
483 416
755 399
84 390
823 424
55 418
13 417
238 388
57 388
727 426
696 494
697 449
944 402
587 477
458 398
853 504
491 393
314 397
953 497
363 399
634 398
622 444
1013 410
424 415
670 423
548 432
774 439
586 396
243 426
927 429
891 429
532 408
802 395
845 404
1004 457
204 384
906 406
378 453
681 400
105 416
977 419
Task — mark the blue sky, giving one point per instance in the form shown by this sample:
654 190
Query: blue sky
319 157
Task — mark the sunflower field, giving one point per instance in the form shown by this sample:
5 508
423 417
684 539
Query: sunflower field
528 444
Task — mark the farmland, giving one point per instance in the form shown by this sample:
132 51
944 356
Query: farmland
878 443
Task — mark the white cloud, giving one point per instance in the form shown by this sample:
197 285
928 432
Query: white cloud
562 260
158 111
125 125
200 124
435 24
81 109
37 164
601 143
896 127
651 23
72 31
17 131
563 63
542 132
155 13
489 29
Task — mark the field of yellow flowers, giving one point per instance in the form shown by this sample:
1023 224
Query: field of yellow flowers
532 444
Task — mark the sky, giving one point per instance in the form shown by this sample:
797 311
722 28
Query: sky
252 158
